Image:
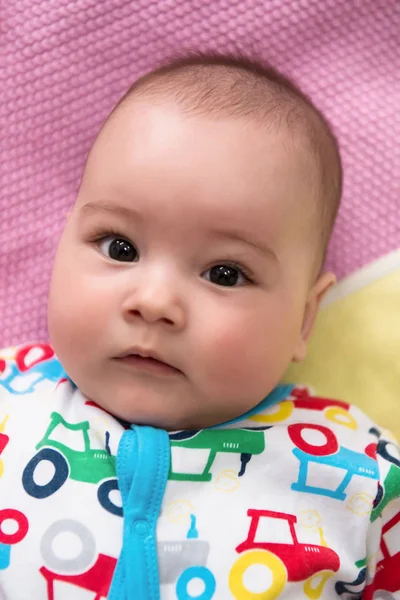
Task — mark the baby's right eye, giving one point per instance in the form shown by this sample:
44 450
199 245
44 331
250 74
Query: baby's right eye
118 248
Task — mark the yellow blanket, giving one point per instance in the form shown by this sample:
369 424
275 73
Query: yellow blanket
354 353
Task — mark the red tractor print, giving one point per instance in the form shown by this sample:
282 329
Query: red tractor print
4 439
387 576
9 539
87 570
288 562
97 579
335 411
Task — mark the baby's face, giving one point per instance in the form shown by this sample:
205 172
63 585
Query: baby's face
188 243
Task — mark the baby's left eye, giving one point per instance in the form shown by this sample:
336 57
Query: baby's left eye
225 275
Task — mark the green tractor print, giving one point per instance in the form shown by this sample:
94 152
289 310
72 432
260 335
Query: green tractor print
207 444
88 465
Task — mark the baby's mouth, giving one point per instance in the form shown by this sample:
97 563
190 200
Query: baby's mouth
147 362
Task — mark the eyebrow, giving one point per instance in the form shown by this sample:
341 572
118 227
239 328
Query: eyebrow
234 235
105 207
240 236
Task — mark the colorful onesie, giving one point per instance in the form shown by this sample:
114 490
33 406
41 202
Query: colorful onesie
299 498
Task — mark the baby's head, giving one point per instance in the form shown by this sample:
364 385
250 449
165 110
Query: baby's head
197 241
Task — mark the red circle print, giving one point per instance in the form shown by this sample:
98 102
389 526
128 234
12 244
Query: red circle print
330 447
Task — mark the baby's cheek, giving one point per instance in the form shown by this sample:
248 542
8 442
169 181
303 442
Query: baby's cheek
248 348
234 347
76 316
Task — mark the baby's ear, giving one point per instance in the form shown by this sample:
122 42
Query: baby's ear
317 292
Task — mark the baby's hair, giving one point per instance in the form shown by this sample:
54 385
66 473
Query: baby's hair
236 86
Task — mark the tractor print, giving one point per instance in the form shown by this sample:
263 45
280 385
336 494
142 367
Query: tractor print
335 411
9 539
390 490
245 442
330 455
4 439
87 570
33 364
181 561
288 562
88 465
387 576
353 590
101 571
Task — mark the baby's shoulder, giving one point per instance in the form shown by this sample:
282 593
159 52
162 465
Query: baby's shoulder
322 426
300 404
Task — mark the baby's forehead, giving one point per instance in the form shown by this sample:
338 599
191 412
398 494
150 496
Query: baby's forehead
216 141
144 115
222 88
263 113
218 169
227 147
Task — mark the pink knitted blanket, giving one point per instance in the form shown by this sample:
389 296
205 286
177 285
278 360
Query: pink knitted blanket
65 62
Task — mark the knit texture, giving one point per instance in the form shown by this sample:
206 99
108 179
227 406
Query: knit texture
64 63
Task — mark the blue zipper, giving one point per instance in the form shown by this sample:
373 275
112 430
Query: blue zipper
143 462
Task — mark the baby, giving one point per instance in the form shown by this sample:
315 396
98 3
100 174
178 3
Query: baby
158 457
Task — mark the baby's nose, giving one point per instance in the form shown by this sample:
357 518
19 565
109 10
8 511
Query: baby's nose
157 303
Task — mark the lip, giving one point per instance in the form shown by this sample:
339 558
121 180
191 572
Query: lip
147 361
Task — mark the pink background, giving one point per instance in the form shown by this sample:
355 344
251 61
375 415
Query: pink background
65 62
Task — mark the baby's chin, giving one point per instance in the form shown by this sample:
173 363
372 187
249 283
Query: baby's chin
152 412
161 420
144 411
172 404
